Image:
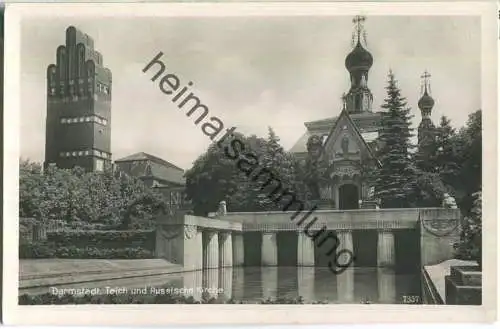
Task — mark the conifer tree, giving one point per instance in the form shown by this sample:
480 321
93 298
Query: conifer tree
395 180
446 157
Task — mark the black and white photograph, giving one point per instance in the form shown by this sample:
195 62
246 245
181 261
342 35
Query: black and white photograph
266 156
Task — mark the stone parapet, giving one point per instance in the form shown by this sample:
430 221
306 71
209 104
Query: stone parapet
463 286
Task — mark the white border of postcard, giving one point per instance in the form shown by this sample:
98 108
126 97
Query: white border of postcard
245 314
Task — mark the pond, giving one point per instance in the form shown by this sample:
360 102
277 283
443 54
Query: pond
252 284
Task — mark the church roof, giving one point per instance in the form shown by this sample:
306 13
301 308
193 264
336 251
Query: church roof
148 165
326 125
356 131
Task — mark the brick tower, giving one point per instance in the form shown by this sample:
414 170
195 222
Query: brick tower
78 124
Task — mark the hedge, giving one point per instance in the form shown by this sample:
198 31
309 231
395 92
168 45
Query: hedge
52 299
103 239
50 250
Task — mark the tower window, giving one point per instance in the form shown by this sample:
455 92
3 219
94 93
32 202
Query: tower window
87 119
81 119
74 154
99 165
80 153
63 120
62 154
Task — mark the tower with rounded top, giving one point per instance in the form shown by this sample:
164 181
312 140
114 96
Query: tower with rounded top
426 128
78 123
358 62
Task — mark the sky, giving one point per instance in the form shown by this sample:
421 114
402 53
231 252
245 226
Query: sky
252 72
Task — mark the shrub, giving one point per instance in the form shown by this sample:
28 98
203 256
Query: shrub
470 245
48 249
104 239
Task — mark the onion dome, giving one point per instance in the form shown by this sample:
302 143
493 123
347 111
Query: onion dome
426 102
359 58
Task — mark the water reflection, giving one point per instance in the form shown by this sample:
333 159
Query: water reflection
253 284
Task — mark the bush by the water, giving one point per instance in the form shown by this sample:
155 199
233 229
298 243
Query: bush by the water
104 239
46 249
137 244
52 299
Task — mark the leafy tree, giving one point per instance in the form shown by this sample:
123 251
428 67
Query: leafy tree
75 197
396 179
468 143
244 185
470 245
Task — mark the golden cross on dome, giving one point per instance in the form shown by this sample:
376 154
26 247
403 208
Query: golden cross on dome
425 78
358 21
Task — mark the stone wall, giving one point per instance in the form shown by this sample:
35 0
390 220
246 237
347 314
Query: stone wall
439 230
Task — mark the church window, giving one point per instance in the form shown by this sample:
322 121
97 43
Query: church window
81 119
74 154
88 119
86 153
62 154
68 154
80 153
64 120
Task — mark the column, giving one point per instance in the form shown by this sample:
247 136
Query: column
386 279
269 249
305 250
211 255
238 284
226 282
225 250
193 248
305 280
345 286
385 248
345 239
238 250
193 283
269 278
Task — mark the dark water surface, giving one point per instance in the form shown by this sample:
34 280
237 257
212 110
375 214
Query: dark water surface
252 284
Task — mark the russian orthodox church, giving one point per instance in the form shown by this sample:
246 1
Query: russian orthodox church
336 151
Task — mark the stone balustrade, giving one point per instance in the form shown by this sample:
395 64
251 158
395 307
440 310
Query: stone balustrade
199 242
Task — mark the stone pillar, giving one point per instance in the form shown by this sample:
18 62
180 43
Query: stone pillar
345 286
238 284
238 250
305 281
385 248
269 278
193 282
226 282
386 286
305 250
210 283
269 249
211 255
345 239
225 250
193 248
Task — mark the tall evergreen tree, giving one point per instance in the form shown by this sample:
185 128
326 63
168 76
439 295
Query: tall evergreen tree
396 179
446 157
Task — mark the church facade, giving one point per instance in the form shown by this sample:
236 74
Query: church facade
336 151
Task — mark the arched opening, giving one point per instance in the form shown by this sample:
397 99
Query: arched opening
348 196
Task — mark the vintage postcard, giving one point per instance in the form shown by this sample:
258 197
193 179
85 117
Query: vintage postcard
250 163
